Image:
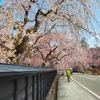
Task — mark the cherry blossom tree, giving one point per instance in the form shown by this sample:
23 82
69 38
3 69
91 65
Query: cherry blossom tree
95 55
58 51
48 46
26 18
6 47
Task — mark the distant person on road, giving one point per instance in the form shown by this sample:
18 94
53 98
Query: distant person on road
82 71
71 70
64 74
68 74
95 71
60 73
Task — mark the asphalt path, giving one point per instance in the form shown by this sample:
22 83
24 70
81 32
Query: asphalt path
91 82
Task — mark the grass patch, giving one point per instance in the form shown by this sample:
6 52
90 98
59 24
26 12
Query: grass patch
88 72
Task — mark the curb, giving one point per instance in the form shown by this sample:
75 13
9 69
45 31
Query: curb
86 89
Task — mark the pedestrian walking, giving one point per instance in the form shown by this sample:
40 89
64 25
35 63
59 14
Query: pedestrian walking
82 71
64 74
60 73
68 74
95 71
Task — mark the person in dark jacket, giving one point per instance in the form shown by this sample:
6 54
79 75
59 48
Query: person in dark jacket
95 71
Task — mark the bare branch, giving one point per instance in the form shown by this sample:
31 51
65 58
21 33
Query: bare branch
37 39
2 45
59 59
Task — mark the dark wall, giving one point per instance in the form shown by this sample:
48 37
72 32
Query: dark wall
24 86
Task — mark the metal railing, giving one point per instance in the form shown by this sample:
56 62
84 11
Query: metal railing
33 84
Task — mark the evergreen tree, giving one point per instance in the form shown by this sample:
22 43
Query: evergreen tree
84 43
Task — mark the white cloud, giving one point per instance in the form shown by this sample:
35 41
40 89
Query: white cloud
97 36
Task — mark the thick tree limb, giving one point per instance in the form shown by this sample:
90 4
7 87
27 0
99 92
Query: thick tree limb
21 47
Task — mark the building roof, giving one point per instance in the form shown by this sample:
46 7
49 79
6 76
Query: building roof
19 68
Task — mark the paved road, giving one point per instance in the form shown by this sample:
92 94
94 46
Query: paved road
73 91
89 81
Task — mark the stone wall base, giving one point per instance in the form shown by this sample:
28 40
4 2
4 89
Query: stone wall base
52 95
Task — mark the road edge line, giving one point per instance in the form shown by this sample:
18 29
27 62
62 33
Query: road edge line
87 89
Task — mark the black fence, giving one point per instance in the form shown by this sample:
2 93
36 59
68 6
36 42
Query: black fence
25 83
